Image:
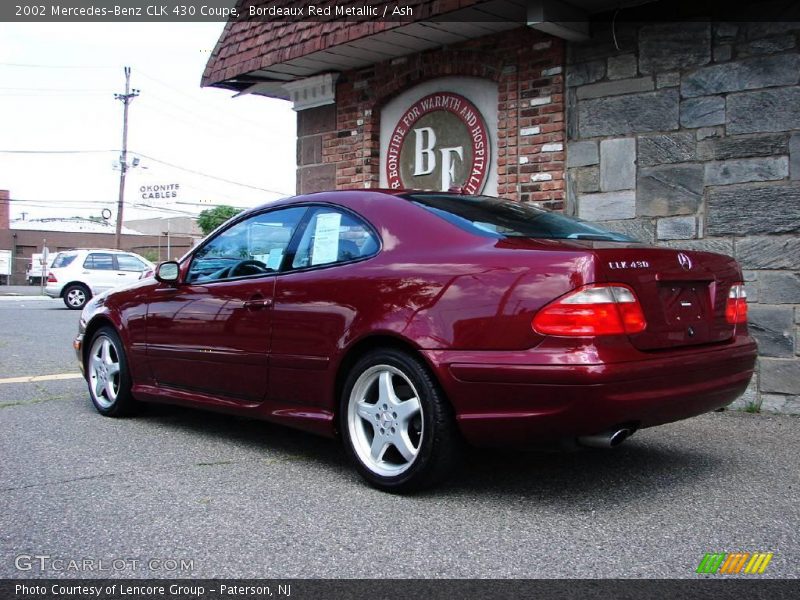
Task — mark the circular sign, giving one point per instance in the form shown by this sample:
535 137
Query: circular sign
440 142
106 214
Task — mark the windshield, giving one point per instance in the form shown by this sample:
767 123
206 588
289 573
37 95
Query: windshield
64 259
500 218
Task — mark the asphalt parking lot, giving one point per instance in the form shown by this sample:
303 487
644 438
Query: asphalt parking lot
237 498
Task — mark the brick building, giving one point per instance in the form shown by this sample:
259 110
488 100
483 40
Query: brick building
26 238
682 133
4 209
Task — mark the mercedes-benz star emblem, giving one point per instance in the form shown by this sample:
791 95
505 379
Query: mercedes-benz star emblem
684 261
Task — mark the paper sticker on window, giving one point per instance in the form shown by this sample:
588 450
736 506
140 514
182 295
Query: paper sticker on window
275 258
326 238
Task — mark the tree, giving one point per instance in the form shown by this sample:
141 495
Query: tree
211 218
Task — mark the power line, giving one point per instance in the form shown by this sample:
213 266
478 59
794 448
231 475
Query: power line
168 210
49 95
148 157
197 101
38 66
211 127
252 187
208 117
37 89
57 151
60 201
211 204
93 204
156 80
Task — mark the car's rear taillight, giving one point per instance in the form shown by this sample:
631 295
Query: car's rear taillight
597 309
736 306
51 278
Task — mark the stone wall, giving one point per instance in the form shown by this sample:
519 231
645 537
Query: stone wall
688 135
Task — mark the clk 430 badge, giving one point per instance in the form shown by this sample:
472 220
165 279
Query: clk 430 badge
629 264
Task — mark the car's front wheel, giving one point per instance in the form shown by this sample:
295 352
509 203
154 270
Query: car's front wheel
397 426
108 376
76 296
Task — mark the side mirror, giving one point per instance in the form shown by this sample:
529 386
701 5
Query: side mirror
168 272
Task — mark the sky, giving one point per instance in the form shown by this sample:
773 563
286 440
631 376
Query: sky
57 86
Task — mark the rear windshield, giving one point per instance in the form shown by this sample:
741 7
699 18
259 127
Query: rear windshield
63 259
499 218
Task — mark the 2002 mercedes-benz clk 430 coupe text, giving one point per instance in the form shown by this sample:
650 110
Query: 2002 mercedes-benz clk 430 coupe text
407 322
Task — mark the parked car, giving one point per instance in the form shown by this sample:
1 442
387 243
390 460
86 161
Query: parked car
37 269
77 275
406 322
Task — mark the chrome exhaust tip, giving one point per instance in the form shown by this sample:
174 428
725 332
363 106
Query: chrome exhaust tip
607 439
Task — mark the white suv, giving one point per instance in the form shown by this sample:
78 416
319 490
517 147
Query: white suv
77 275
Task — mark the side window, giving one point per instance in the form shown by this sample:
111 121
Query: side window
334 236
251 247
126 262
99 261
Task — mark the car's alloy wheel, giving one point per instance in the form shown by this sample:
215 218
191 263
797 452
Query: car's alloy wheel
384 418
75 297
398 428
107 375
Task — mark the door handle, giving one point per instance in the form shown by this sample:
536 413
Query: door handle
257 303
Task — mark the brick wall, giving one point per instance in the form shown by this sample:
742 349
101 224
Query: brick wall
4 209
688 135
314 126
339 145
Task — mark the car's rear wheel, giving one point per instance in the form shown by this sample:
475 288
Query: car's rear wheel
397 426
76 296
108 375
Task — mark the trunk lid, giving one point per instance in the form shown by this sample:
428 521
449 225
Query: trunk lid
683 293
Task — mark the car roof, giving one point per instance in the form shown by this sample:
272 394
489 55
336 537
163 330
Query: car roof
112 250
345 197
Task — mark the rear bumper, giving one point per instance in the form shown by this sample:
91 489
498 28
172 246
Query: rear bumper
500 401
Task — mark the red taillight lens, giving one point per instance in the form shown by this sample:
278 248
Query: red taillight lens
51 278
592 310
736 306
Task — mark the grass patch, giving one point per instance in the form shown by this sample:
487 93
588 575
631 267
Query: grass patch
752 408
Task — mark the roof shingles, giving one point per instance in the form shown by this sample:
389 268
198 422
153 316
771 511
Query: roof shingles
250 45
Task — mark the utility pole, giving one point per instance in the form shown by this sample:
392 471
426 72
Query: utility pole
123 157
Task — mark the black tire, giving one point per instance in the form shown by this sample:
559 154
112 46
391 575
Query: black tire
429 437
76 296
110 391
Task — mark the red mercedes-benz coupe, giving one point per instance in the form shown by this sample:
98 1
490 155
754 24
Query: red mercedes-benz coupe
406 322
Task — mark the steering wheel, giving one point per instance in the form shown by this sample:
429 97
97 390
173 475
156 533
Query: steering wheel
248 267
